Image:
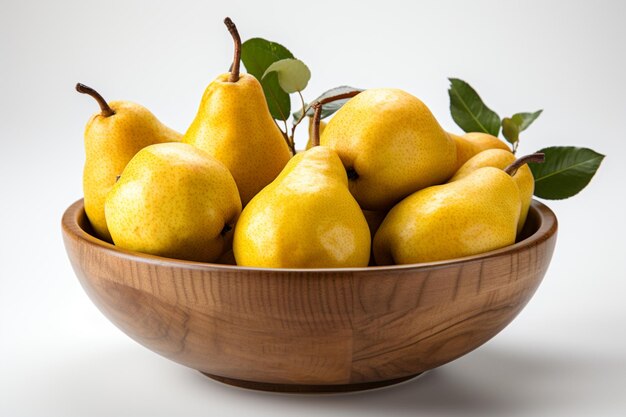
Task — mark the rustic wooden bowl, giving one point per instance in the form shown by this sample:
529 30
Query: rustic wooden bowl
304 330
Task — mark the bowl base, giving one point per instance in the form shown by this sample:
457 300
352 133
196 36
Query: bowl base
308 389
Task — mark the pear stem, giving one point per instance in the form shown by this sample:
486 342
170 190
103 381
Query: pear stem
535 157
316 123
106 111
317 116
234 68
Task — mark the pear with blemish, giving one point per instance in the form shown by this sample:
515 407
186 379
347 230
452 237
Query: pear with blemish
305 218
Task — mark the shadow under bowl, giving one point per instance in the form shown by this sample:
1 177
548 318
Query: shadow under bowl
311 330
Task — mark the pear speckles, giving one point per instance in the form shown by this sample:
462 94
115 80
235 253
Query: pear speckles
472 215
174 200
112 137
306 218
391 145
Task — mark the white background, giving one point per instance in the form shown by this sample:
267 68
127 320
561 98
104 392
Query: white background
565 355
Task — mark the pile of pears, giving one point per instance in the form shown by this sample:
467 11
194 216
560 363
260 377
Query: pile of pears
385 185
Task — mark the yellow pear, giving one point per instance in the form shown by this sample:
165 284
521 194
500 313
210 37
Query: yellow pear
234 125
472 143
174 200
475 214
112 137
306 218
501 159
310 143
391 146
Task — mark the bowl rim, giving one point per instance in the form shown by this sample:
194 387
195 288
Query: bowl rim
76 212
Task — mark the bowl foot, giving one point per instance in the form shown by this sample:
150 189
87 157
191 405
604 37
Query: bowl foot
308 389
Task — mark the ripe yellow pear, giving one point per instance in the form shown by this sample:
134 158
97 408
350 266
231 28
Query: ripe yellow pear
472 143
234 125
112 137
306 218
501 159
391 146
475 214
174 200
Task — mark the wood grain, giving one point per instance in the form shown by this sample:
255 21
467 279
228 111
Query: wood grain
327 330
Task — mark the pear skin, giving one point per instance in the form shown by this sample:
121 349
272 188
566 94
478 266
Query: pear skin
501 159
111 140
234 125
391 146
475 214
174 200
305 218
472 143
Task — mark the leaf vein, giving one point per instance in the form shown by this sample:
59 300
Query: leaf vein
469 111
570 167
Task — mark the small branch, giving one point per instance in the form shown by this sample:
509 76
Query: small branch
535 157
318 112
290 142
303 106
300 119
283 133
303 112
297 122
234 71
106 111
293 131
515 145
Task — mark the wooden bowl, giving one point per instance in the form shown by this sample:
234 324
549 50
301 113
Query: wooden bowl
303 330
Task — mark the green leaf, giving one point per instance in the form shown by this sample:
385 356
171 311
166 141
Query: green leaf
469 111
257 55
293 74
523 120
512 126
565 172
510 130
328 108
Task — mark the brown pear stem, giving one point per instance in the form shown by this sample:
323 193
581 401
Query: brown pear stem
317 106
234 68
106 111
535 157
